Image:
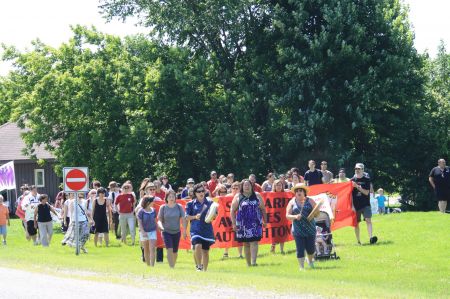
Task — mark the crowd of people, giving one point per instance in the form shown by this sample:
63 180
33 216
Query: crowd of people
119 208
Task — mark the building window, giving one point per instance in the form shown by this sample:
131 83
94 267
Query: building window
39 180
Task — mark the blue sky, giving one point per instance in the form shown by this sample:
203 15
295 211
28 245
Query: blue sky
21 21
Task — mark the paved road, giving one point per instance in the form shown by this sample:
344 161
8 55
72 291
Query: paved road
22 284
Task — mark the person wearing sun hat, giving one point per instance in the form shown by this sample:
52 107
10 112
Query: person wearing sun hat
303 230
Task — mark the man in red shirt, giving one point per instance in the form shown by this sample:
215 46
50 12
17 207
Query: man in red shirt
212 183
125 205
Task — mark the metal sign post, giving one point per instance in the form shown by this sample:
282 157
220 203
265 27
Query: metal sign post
77 232
76 179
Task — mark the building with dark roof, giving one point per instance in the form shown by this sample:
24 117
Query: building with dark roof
27 170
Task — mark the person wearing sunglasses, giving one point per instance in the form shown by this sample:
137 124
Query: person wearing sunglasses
303 229
361 201
202 233
439 179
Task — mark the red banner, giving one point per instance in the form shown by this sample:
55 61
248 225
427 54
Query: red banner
278 227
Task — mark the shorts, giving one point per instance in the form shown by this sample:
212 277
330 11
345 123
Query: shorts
172 241
146 236
205 244
366 212
3 230
32 231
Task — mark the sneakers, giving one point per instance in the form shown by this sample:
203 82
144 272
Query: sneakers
373 240
199 267
4 242
84 250
225 256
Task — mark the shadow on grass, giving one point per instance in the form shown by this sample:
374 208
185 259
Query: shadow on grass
380 243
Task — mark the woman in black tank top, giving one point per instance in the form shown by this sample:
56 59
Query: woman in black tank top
101 211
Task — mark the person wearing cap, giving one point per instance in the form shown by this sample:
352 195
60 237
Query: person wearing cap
248 217
327 175
361 201
313 176
303 230
342 178
147 228
212 183
189 184
439 179
125 205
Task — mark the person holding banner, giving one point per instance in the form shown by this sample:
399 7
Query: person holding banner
202 233
169 217
248 217
278 186
299 211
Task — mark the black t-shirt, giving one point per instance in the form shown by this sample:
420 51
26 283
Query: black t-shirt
441 180
313 177
361 200
44 213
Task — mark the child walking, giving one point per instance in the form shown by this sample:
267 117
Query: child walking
4 219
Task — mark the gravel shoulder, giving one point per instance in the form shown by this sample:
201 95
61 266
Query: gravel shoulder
13 282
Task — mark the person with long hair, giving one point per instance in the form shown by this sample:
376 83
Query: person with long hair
84 219
142 187
169 218
147 229
202 233
248 217
303 229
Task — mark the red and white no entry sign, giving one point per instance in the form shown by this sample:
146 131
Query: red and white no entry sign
76 179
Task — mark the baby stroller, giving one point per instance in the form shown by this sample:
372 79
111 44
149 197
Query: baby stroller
324 238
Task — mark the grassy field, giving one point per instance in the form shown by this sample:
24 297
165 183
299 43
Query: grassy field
411 260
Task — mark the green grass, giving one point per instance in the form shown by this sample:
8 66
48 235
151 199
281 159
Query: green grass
410 261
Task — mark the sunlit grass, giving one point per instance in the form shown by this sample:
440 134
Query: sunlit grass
410 260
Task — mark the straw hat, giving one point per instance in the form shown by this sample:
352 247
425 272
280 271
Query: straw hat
300 186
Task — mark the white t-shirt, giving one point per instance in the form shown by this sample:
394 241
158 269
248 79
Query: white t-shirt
29 204
111 200
81 212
